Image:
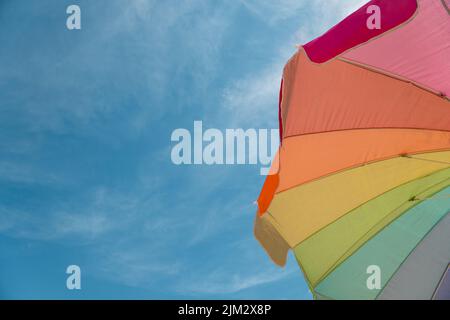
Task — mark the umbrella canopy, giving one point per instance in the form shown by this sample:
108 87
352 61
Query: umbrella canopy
363 171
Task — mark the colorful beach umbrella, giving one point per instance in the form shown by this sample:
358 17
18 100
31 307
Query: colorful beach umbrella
360 189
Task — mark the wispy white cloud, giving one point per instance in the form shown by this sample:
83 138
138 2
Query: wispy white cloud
323 13
222 281
246 269
148 45
253 99
273 11
102 213
135 267
26 174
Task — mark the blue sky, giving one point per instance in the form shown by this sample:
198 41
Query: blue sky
86 119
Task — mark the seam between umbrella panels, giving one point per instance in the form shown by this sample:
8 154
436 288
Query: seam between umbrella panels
336 265
434 197
440 280
305 275
427 160
368 128
359 166
394 76
277 227
418 243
